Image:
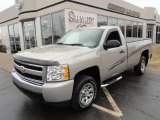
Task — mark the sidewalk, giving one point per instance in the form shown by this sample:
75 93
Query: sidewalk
6 61
155 61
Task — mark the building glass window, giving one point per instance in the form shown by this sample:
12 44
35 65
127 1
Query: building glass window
158 34
112 21
29 34
58 25
150 31
46 26
102 21
0 37
53 27
17 38
140 30
135 29
122 25
128 28
14 37
11 36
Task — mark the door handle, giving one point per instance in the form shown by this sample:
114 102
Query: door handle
122 51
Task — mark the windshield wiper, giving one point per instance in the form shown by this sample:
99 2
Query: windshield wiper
60 43
76 44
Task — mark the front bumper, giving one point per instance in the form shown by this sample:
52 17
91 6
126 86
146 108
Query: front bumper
51 92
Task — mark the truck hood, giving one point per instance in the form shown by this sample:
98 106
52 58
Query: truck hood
52 54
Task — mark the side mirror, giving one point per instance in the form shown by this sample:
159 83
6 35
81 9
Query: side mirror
112 44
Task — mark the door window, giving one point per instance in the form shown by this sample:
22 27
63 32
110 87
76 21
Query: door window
114 36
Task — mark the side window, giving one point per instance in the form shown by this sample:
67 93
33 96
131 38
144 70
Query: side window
114 36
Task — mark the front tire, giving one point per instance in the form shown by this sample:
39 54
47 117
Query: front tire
141 67
85 92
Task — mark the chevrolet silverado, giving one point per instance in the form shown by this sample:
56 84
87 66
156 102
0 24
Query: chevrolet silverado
81 62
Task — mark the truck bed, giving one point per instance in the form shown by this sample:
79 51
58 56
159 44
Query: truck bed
135 48
131 39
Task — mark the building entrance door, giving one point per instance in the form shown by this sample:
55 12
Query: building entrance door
150 31
158 34
29 34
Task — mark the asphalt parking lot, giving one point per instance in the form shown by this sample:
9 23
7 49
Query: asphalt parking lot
137 97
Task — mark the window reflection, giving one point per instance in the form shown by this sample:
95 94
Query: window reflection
128 28
0 37
53 27
29 34
102 21
158 34
135 29
140 30
112 21
121 24
14 37
11 34
150 28
46 26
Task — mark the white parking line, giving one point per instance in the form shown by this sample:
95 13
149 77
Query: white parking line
117 112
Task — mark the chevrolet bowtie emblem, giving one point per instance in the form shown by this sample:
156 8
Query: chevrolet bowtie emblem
22 69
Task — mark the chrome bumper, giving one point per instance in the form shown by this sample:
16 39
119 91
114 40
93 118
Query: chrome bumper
51 92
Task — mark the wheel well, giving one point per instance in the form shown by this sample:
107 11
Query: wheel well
93 72
146 54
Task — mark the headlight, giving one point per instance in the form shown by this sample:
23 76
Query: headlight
57 73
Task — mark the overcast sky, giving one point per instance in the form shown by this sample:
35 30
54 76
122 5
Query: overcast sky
141 3
146 3
5 4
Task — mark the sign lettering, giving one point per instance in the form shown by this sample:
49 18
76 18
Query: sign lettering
123 10
78 19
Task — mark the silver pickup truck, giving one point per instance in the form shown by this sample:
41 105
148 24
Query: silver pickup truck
74 69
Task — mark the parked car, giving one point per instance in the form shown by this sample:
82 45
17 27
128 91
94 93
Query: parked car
75 68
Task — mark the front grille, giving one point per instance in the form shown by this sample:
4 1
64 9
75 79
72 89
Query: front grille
29 72
29 66
39 78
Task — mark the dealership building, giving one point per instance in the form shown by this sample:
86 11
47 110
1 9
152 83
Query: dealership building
35 23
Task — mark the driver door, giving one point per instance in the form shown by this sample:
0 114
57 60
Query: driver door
113 60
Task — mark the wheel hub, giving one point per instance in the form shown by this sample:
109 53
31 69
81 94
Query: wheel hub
143 65
86 94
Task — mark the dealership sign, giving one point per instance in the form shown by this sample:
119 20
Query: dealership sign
123 10
78 19
19 4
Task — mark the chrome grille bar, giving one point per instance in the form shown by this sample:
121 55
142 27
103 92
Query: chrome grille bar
32 81
29 71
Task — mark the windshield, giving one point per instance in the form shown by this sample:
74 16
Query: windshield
82 37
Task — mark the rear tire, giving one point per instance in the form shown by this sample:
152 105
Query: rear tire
85 92
141 67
